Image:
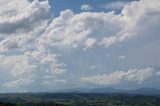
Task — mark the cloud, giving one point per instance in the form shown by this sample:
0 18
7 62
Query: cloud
47 83
118 77
73 31
121 57
117 5
29 69
86 7
24 15
108 41
22 21
22 68
107 28
37 49
158 73
89 43
23 60
9 44
93 67
17 83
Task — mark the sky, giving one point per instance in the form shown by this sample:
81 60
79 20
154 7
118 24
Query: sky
48 45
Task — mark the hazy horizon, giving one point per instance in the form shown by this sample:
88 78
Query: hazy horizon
49 45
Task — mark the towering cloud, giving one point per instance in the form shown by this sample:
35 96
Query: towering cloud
37 49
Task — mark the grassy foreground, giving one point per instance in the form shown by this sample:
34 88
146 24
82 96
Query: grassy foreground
77 99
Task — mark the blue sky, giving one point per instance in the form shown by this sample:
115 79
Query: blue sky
61 44
75 5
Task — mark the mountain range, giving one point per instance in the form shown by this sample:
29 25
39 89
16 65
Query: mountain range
109 90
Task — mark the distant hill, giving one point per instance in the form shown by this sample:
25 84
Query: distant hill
138 91
144 91
107 90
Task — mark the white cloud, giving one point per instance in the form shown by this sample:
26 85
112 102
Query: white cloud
22 15
9 44
48 83
21 21
19 71
93 67
30 39
30 69
117 5
71 30
21 25
23 68
86 7
108 41
121 57
49 65
17 83
89 43
117 77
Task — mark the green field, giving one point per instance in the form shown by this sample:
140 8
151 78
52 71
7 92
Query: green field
77 99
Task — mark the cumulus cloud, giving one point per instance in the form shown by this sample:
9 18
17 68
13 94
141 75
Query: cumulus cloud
117 77
23 15
9 44
22 21
89 43
108 41
21 25
86 7
23 67
49 65
26 70
19 71
106 28
32 42
74 30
